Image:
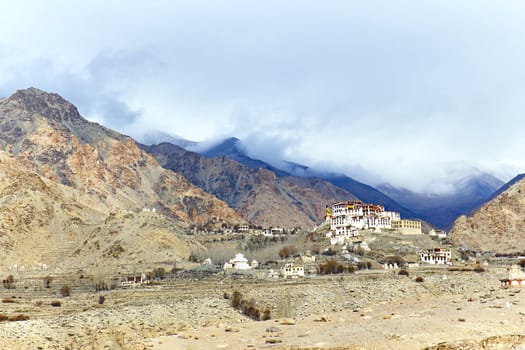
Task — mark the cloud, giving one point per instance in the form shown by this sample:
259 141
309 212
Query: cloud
398 91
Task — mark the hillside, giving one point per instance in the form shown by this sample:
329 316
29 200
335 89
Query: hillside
261 196
498 225
72 192
43 223
233 149
48 135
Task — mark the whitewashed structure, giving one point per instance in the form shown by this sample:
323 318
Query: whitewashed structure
357 245
436 256
354 214
243 228
291 271
515 277
276 230
342 235
239 262
438 233
407 227
308 257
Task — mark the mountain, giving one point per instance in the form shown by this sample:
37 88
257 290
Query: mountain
497 225
260 195
156 137
368 194
441 210
87 185
232 148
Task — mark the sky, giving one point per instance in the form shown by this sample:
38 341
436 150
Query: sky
415 93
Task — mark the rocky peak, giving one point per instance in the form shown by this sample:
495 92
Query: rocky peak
48 105
47 134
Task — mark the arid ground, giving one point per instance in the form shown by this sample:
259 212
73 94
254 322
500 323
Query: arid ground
365 310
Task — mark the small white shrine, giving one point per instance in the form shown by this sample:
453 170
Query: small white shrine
239 262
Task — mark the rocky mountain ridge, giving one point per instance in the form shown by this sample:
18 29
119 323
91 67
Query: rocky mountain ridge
232 148
496 226
260 195
73 192
48 135
443 209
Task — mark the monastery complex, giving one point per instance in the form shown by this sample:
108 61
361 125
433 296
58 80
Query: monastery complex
346 217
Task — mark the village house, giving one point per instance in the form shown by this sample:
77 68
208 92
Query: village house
515 277
276 230
407 227
360 245
292 271
342 235
436 256
438 233
243 228
308 257
134 280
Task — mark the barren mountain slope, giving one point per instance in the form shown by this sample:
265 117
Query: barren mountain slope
43 223
259 195
498 226
48 135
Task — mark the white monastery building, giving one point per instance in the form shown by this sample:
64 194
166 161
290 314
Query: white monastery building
345 218
359 215
436 256
407 227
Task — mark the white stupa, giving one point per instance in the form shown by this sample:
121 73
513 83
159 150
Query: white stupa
239 262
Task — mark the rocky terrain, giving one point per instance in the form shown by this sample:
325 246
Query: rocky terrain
497 226
47 225
84 209
259 195
366 310
75 194
48 136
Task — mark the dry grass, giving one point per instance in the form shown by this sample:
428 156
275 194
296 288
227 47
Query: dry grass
249 307
65 291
